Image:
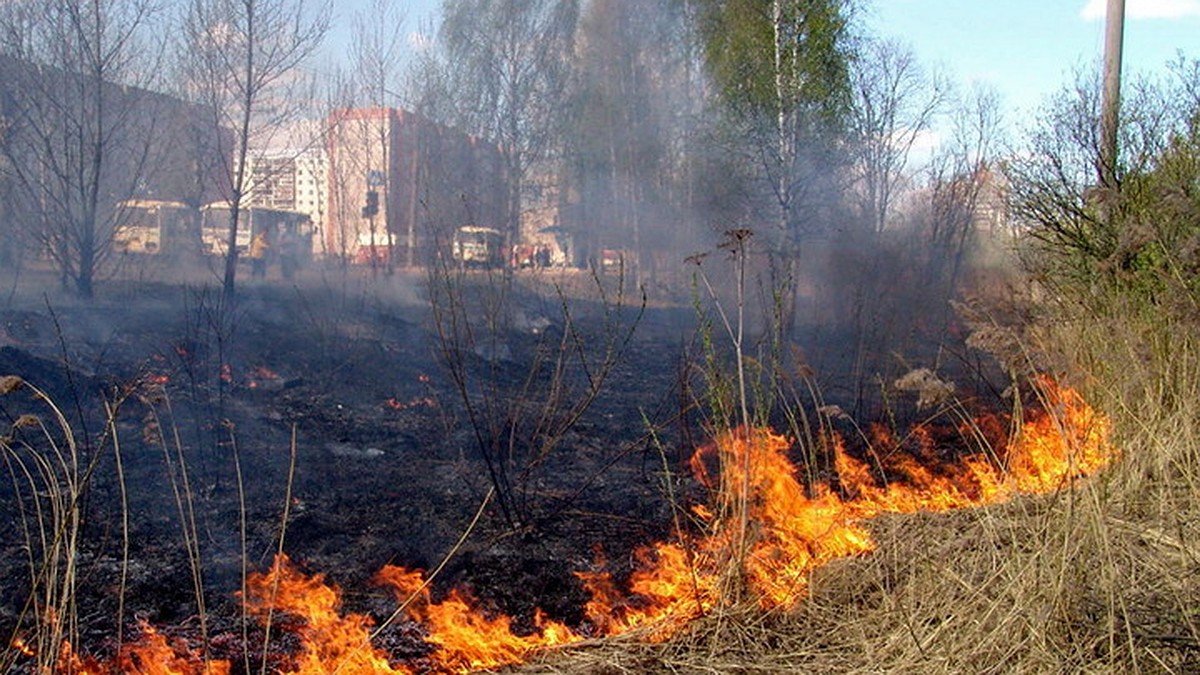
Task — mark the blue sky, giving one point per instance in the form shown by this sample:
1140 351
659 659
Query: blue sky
1025 49
1028 49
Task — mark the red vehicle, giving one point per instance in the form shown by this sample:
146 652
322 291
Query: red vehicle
374 248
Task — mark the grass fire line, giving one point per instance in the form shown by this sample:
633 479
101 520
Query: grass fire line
796 530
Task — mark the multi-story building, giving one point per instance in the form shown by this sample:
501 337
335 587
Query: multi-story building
57 126
312 190
399 186
291 180
272 181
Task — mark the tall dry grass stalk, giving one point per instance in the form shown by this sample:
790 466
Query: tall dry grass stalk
50 474
730 401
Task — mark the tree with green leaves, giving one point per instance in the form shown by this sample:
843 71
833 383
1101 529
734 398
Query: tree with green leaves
782 72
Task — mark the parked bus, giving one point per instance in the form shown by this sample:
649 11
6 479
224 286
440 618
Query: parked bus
156 227
214 230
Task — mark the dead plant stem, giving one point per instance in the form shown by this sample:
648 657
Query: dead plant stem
287 505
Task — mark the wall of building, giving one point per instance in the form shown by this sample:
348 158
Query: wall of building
430 181
154 147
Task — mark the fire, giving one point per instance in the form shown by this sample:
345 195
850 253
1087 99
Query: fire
23 647
466 638
153 655
265 373
760 537
260 374
789 530
330 642
150 654
1060 447
420 401
673 585
788 534
71 662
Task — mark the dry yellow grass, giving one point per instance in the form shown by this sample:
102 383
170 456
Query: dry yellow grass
1100 578
1046 584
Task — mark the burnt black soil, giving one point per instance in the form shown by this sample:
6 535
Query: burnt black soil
341 383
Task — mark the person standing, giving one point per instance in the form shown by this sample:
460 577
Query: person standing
258 255
289 246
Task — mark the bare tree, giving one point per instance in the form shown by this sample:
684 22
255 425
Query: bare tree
1054 177
965 190
505 65
625 134
894 102
243 58
376 48
80 121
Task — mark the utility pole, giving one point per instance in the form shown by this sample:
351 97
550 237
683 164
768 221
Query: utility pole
1113 38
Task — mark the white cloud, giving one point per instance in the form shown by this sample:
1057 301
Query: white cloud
1144 9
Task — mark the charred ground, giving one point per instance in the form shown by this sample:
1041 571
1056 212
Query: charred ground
387 467
330 413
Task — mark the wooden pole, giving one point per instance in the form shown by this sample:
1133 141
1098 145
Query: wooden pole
1113 39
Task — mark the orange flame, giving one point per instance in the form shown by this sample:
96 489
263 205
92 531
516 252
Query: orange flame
466 638
330 642
791 530
788 529
673 585
265 373
23 647
152 655
396 404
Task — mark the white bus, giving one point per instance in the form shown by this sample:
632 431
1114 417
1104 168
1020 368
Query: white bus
214 228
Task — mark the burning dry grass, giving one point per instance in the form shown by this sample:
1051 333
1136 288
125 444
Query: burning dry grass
742 594
1103 576
1044 584
681 589
952 568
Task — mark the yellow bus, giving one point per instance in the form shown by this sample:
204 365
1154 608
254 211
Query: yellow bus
156 227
